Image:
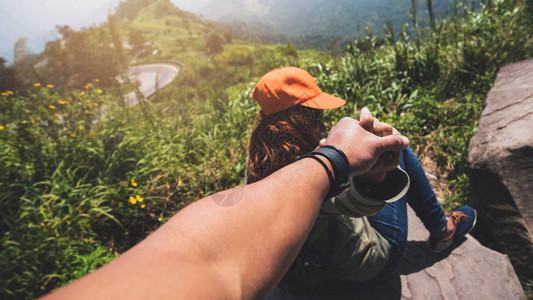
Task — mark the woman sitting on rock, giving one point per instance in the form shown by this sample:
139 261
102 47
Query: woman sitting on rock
361 234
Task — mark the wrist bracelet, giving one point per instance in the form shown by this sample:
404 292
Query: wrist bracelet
338 151
339 163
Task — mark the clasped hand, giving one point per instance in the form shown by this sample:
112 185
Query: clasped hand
373 148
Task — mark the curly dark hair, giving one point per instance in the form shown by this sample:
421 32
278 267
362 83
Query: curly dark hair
279 138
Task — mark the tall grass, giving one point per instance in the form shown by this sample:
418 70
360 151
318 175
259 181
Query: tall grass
75 193
433 88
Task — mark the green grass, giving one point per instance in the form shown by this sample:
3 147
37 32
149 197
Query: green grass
433 90
66 183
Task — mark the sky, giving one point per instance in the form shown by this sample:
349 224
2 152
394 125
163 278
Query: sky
36 19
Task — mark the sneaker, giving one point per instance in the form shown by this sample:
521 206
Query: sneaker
462 220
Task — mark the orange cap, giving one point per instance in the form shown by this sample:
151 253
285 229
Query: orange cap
284 88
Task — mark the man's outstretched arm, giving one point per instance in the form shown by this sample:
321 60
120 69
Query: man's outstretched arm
237 243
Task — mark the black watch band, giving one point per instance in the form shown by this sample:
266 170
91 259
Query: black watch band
340 165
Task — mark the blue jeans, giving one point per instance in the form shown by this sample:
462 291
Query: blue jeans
391 222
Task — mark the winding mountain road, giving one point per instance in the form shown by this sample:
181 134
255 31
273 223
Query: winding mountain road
151 77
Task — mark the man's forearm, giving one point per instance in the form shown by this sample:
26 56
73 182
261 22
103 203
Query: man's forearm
241 249
262 233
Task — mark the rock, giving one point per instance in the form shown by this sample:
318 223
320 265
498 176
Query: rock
501 158
467 271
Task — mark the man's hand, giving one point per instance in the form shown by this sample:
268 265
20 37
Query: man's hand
363 147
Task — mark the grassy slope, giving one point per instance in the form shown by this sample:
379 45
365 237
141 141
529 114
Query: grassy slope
66 183
65 191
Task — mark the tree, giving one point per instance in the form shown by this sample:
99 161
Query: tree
290 52
7 80
137 42
228 36
24 73
335 47
214 43
79 57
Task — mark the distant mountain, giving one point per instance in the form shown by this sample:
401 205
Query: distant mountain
194 6
320 17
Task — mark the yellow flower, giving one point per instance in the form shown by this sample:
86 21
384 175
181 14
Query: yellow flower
133 183
96 80
99 91
32 121
4 94
50 86
62 102
37 84
52 107
133 200
89 105
143 205
139 198
88 85
82 93
87 111
81 128
128 132
56 115
9 92
73 135
88 101
2 127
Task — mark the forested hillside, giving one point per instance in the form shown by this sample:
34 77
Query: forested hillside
320 22
76 190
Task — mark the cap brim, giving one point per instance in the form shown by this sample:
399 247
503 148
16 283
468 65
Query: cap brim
324 101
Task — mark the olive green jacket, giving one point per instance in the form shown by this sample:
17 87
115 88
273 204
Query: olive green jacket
342 244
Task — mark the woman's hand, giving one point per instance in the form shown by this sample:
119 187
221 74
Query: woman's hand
387 161
365 150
